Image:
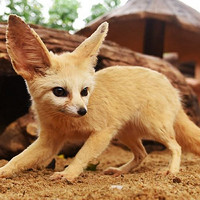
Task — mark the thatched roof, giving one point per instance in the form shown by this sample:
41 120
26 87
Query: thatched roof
172 11
154 27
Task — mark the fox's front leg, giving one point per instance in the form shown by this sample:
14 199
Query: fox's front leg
93 147
37 153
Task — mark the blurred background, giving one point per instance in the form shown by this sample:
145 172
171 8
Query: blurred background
61 14
69 15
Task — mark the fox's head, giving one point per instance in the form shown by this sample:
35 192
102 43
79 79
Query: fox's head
57 83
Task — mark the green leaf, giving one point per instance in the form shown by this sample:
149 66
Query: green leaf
63 13
92 166
29 10
99 9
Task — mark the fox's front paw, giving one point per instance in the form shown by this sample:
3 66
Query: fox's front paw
5 172
63 176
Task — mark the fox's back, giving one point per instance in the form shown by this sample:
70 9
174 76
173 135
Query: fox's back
122 92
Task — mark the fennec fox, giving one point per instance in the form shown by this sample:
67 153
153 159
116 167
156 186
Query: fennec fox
74 103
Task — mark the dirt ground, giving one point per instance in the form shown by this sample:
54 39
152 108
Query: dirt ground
141 184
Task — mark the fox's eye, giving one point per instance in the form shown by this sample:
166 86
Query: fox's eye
60 92
84 92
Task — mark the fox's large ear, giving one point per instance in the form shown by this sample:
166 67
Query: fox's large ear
89 48
28 53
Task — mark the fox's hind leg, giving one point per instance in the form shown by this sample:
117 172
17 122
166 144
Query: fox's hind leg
175 149
176 156
139 152
166 136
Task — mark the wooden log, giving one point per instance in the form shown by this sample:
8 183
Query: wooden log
15 138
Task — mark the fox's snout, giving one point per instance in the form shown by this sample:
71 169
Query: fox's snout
82 111
75 111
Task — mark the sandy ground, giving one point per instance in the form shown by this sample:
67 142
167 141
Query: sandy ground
141 184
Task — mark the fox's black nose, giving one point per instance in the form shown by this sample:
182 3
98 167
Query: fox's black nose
82 111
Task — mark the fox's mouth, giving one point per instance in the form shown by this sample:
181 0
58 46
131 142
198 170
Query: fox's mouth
70 114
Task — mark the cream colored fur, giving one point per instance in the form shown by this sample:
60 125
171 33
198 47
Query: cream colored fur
124 102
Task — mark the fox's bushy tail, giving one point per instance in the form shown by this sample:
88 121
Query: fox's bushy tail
187 133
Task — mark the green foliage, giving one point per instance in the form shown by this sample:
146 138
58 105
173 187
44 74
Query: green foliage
63 13
101 8
29 10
